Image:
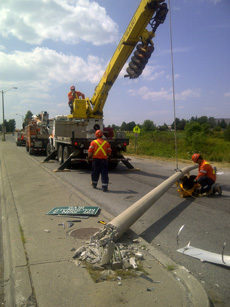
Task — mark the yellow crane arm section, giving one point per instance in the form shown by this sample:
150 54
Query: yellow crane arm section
132 35
135 32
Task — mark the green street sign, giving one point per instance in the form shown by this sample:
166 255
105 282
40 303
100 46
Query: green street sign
74 211
136 129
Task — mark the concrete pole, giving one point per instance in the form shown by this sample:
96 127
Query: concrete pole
128 217
3 118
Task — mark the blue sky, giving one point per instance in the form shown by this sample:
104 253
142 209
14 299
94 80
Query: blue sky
48 45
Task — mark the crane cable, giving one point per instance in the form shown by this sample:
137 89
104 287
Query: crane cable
173 86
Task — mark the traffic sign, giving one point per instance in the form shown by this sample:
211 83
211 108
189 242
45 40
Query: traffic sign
77 210
136 129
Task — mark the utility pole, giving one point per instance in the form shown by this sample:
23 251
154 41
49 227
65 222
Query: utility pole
3 114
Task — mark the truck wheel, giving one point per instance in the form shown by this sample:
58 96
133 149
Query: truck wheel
48 149
60 154
66 153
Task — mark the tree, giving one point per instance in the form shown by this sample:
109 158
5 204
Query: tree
9 125
12 125
212 122
130 126
192 128
28 117
115 127
181 124
205 128
163 127
202 120
223 124
194 137
176 122
124 126
227 133
148 125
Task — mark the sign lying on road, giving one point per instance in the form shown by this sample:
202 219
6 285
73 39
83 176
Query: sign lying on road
74 211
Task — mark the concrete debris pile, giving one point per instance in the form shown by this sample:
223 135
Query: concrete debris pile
102 251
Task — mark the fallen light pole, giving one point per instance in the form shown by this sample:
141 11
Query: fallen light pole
127 218
102 249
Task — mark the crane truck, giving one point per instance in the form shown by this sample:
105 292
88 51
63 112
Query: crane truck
73 133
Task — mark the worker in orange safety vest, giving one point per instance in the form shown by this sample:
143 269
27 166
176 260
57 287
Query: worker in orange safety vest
206 175
99 150
74 95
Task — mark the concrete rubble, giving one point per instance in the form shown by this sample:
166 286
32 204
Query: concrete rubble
103 250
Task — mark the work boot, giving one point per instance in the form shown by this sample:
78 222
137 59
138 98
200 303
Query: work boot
218 190
94 185
104 189
209 192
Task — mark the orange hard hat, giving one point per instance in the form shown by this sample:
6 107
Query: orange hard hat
72 88
98 133
195 157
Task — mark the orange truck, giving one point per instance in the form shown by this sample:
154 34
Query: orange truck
37 135
20 137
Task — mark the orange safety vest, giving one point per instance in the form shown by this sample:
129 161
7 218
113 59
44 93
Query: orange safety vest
75 95
205 169
99 150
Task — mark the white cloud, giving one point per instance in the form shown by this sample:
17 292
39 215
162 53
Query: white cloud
227 94
67 21
151 74
163 94
184 95
46 64
147 94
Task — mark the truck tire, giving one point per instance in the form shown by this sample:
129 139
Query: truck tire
48 149
66 153
60 154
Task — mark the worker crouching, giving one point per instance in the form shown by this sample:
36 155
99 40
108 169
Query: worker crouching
206 177
99 150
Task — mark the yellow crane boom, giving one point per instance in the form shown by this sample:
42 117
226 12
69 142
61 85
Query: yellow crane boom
136 32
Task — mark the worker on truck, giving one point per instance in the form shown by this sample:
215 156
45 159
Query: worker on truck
99 150
206 176
74 95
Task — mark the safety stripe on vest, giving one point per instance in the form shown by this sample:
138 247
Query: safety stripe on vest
100 147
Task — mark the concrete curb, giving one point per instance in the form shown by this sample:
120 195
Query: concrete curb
15 263
196 294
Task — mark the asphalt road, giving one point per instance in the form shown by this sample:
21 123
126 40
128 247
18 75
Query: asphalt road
206 219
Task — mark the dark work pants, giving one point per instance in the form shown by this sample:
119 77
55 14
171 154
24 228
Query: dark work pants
205 183
100 166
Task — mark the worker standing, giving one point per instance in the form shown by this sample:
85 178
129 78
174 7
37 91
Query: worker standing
99 150
206 176
74 95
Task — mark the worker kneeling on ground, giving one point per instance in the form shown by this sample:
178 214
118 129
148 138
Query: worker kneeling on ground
206 176
99 150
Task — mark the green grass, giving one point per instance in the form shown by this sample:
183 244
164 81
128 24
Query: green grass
161 144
